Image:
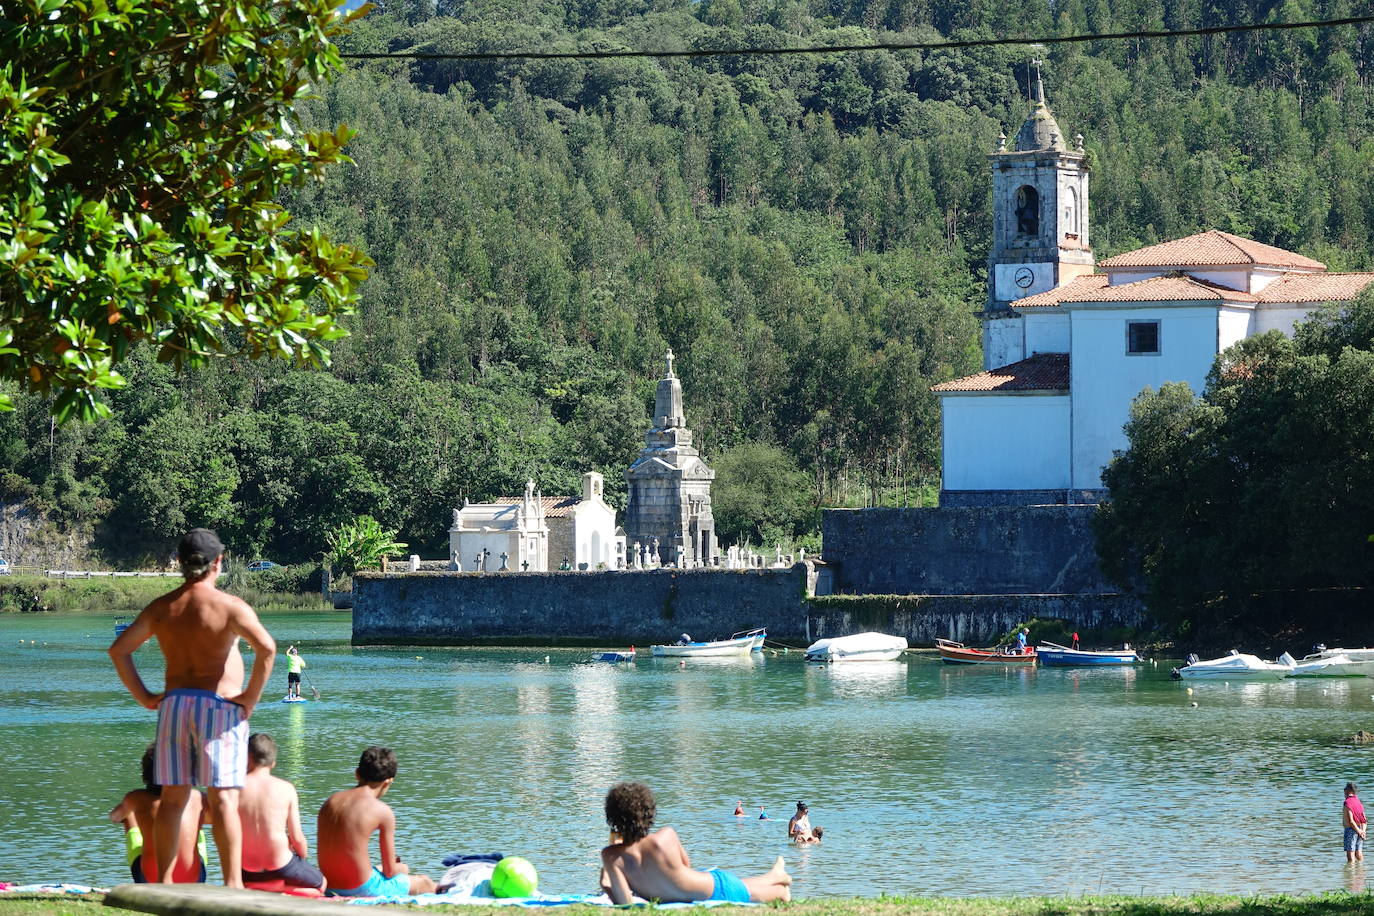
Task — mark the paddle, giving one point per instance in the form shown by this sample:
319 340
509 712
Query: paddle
313 691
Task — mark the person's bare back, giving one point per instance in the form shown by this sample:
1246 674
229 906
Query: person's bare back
655 866
268 808
344 831
139 808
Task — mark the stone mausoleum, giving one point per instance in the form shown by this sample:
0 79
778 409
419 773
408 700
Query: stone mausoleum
669 509
536 533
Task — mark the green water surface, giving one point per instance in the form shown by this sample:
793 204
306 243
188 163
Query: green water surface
928 779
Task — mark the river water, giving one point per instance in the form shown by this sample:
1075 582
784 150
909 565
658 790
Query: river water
929 779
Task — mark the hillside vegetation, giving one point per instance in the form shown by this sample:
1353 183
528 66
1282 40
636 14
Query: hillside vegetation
808 234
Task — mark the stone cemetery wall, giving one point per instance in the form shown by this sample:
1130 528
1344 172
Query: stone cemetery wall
989 550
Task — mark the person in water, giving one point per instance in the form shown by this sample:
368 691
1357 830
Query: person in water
294 665
137 812
346 823
800 824
655 866
811 838
274 846
739 809
202 714
763 815
1352 818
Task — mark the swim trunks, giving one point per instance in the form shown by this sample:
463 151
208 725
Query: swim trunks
202 740
1353 841
292 678
377 886
295 873
728 886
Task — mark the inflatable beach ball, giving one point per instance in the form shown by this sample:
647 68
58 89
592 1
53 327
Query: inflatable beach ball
514 877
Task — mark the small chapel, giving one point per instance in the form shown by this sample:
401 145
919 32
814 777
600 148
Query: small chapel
1068 343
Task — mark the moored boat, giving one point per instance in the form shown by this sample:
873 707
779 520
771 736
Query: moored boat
956 653
1336 663
1236 666
1057 656
759 634
857 647
121 624
614 656
741 645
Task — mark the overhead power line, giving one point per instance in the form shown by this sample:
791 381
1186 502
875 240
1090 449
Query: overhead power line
877 46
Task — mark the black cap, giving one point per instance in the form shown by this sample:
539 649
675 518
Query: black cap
199 547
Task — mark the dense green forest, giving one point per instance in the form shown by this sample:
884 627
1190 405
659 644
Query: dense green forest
807 232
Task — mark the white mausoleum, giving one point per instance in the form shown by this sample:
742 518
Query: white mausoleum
537 532
1067 347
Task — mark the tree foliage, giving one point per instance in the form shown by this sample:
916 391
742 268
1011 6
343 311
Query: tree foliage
1263 485
145 147
360 544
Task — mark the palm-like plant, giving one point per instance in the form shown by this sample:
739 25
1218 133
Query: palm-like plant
360 544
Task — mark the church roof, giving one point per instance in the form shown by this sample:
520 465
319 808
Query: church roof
1212 248
554 506
1316 287
1039 131
1041 372
1054 296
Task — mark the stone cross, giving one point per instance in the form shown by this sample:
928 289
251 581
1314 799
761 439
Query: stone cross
504 557
669 358
453 562
477 563
525 566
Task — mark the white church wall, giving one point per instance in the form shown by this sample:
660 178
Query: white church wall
595 525
1004 341
1282 317
1233 324
1047 331
1106 379
1006 442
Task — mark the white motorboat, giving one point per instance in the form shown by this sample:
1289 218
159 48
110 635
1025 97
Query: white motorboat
1336 663
1237 666
759 634
686 648
858 647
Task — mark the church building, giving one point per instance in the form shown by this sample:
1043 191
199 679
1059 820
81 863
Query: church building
1069 344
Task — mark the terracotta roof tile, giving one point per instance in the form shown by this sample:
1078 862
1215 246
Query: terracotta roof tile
1041 372
1213 248
1316 287
554 506
1173 288
1052 297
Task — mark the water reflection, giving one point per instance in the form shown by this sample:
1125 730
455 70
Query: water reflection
1354 877
853 680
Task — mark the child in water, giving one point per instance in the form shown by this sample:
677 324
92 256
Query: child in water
1352 816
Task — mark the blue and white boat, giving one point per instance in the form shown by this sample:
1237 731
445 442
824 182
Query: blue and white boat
1057 656
687 647
614 656
758 634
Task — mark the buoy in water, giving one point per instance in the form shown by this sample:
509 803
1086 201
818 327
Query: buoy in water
546 659
1190 691
1194 704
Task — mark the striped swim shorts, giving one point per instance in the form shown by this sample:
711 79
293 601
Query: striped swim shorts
202 740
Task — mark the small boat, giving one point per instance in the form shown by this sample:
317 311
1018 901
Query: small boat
956 653
1336 663
856 648
121 624
759 634
1053 655
686 648
1237 666
614 656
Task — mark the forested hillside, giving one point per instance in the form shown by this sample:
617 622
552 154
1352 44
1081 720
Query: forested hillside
806 232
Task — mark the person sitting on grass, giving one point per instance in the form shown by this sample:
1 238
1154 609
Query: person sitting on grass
274 846
137 811
655 866
346 823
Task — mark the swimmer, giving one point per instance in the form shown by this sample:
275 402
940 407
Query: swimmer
763 815
739 809
809 839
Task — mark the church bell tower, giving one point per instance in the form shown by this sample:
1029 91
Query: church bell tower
1040 224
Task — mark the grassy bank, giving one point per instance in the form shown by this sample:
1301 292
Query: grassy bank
39 594
1332 904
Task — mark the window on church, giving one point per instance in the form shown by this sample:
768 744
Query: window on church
1027 211
1142 337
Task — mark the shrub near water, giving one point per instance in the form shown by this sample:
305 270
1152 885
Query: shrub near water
286 588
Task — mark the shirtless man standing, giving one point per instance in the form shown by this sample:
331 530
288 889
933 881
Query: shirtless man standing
202 720
346 823
274 846
655 866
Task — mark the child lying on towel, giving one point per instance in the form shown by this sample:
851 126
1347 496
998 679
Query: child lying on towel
655 866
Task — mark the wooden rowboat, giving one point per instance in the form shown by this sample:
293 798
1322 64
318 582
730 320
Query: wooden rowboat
956 653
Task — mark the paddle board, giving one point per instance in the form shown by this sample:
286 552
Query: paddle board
294 700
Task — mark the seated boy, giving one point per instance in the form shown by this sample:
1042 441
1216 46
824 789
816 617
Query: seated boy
137 811
655 866
274 846
346 823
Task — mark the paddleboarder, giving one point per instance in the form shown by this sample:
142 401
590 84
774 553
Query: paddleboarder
294 665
